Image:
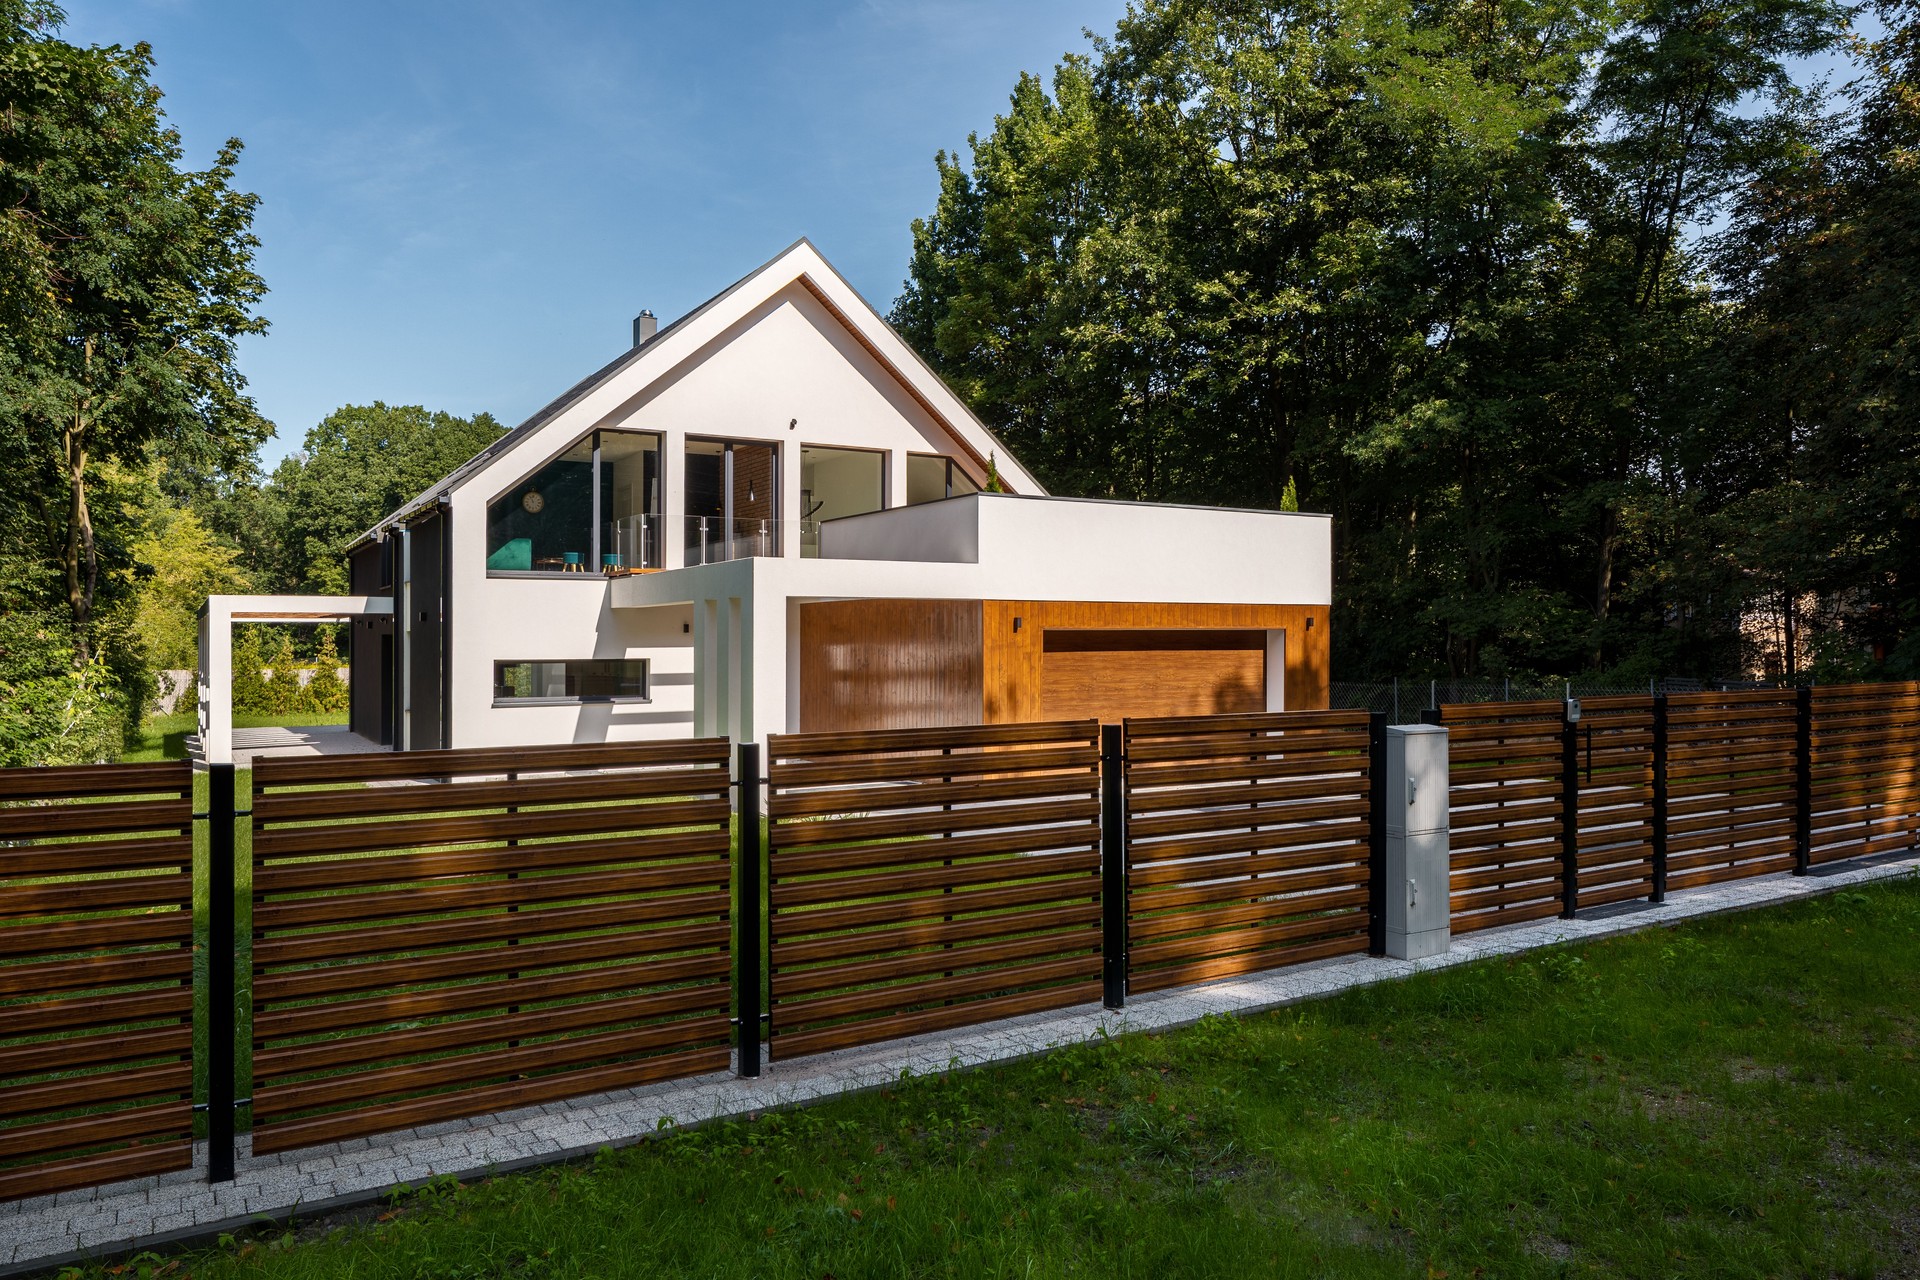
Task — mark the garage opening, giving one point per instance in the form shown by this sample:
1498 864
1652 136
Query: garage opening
1111 674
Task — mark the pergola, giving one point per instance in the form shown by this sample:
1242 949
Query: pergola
216 650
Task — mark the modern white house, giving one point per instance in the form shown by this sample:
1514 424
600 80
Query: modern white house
771 516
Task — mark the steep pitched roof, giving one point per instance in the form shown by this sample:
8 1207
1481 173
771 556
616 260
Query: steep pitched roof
801 262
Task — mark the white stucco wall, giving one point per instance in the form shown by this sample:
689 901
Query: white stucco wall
793 357
788 373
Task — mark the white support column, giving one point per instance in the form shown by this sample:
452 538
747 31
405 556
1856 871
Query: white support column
1277 670
1418 922
739 656
215 678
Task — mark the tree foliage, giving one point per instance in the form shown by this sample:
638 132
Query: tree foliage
360 463
125 280
1442 267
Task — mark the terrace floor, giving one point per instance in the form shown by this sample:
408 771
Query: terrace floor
291 740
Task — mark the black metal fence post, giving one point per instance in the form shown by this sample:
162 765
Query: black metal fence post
1569 813
748 902
1659 798
1377 834
222 991
1113 868
1803 780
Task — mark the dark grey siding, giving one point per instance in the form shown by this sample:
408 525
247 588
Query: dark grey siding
370 646
425 633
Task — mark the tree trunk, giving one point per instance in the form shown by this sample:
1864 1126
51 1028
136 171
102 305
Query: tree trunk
82 565
1603 582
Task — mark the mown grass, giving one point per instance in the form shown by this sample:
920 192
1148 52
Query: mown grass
1736 1097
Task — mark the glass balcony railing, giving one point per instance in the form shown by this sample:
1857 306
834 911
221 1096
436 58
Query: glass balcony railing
632 546
713 539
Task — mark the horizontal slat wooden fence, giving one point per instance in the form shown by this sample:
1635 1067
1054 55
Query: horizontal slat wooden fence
1249 841
1865 766
444 934
1731 785
925 879
1504 811
96 975
1613 773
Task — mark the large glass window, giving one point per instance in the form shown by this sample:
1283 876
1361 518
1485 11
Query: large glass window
592 508
933 476
629 501
835 483
733 500
578 680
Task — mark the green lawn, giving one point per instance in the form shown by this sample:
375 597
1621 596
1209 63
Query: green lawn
165 737
1737 1097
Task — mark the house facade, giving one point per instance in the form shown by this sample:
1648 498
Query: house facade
771 516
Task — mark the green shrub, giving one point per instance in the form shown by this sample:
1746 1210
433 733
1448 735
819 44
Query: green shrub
250 695
327 691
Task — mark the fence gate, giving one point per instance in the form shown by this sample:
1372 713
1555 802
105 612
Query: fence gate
1613 773
1249 842
1508 782
1732 785
1865 782
925 879
96 975
448 933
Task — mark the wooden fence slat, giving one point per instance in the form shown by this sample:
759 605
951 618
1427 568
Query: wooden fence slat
955 884
96 1055
1248 842
574 938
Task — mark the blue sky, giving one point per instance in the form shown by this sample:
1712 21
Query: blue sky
465 204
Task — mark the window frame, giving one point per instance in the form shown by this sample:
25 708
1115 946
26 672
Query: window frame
953 465
573 700
592 568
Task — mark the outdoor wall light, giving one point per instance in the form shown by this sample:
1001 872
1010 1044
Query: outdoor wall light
1016 624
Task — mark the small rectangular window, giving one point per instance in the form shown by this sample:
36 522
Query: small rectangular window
933 476
578 680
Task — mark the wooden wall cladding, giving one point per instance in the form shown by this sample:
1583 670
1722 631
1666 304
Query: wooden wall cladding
1865 770
1014 660
1116 674
889 664
1730 785
96 975
468 931
1504 810
1247 843
927 879
1613 759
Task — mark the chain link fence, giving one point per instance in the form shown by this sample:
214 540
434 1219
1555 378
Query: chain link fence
1404 699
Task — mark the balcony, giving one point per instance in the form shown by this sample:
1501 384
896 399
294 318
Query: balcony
633 546
714 539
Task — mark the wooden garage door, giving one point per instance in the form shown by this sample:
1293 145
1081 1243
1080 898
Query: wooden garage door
1112 674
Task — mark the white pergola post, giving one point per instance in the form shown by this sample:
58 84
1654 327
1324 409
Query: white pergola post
215 676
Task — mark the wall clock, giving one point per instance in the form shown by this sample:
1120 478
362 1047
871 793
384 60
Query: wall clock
532 503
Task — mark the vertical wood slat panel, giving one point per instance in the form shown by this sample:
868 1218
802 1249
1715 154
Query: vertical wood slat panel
1866 770
1730 769
923 880
882 664
96 1000
1248 843
462 932
1504 811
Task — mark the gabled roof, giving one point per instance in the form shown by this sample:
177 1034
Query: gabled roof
798 262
